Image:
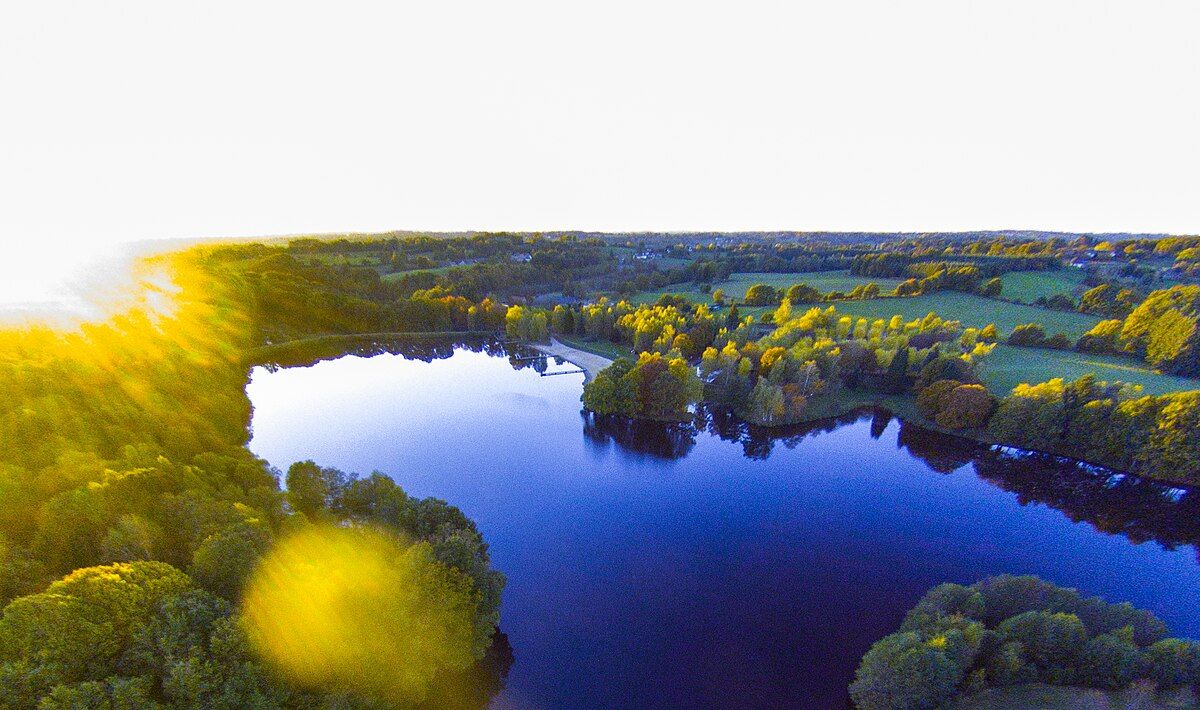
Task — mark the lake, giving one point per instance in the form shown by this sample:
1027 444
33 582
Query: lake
714 564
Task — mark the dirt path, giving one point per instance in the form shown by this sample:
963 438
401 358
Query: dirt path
590 363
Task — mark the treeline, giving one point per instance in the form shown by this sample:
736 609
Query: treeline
916 262
131 513
1164 329
1009 630
1112 424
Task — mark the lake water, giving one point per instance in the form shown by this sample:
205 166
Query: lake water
715 565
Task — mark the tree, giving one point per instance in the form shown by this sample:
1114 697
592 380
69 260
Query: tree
803 293
225 559
312 489
78 628
896 379
1109 661
762 295
1173 662
903 671
932 399
966 407
733 319
946 367
1050 641
991 288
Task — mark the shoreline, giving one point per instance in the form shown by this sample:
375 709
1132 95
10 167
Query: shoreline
590 363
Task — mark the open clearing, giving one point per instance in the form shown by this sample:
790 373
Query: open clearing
1008 366
1028 286
972 310
735 286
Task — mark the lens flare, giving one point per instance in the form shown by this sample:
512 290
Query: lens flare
357 609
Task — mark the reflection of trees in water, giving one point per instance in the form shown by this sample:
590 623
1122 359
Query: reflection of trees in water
758 442
478 685
660 440
943 453
1138 508
306 353
1114 503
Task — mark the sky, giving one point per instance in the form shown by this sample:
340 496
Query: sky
132 121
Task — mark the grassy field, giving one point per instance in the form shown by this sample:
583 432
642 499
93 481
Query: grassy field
735 286
1027 286
1048 697
400 274
1009 366
599 347
972 310
355 259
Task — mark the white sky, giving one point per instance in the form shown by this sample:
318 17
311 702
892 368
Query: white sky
129 121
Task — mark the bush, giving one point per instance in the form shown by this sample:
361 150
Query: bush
966 407
1109 661
932 400
1031 335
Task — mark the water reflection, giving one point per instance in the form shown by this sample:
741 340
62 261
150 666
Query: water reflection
638 438
1114 503
425 349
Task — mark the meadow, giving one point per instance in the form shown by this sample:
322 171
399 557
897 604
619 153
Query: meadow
735 286
1028 286
973 310
1008 366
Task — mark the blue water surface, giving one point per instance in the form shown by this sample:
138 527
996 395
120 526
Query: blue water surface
652 568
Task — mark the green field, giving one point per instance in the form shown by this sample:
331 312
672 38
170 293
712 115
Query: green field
735 286
602 348
1028 286
401 274
972 310
338 259
1009 366
1048 697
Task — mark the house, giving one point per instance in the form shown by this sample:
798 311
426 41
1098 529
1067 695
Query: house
522 257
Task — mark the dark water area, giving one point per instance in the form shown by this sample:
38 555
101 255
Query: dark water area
713 564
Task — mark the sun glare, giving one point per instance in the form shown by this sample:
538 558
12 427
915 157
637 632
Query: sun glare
60 282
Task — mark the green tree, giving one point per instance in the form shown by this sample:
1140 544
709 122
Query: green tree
225 559
762 295
311 489
803 293
903 671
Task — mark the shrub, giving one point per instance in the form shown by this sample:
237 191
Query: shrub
1031 335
